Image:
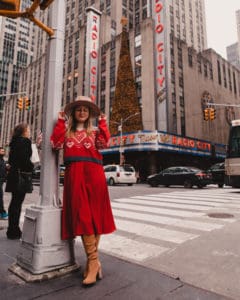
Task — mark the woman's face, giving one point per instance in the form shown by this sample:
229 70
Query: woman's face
27 132
81 114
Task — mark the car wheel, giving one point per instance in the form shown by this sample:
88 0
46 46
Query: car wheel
167 185
220 185
153 184
111 181
200 186
187 184
130 184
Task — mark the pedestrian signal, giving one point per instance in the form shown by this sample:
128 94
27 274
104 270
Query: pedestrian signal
212 114
20 103
206 114
27 103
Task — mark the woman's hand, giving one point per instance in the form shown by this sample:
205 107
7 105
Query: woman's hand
62 115
102 116
39 139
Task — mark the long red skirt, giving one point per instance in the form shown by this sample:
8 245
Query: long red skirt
86 203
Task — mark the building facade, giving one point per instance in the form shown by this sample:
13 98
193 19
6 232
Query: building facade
16 51
233 51
175 76
30 76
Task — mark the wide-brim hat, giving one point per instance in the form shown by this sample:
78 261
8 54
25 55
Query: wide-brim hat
82 100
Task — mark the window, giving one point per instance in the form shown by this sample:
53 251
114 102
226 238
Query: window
205 70
219 72
190 59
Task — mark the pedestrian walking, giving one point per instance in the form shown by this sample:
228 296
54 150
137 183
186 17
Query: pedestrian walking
3 173
20 165
86 204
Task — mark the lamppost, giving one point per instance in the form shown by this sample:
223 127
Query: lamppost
120 125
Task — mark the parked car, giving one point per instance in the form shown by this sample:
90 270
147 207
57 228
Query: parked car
186 176
217 172
61 174
116 174
37 173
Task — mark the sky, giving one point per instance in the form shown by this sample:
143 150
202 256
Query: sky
221 24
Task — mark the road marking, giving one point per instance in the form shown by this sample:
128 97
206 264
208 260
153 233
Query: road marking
150 225
208 203
160 203
181 223
156 210
220 197
154 232
129 248
176 200
198 197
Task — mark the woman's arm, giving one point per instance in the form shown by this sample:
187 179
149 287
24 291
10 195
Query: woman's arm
103 134
58 135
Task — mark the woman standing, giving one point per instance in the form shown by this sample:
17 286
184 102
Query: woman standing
19 161
86 205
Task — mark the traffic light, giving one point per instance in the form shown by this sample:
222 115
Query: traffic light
212 113
10 8
12 5
20 103
27 103
44 4
206 114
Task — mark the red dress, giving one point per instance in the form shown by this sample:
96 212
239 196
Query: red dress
86 203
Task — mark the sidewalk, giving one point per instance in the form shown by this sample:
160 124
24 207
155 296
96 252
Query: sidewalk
121 280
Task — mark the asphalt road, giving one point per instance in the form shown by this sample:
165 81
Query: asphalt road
171 231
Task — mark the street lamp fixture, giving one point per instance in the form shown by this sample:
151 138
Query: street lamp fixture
120 125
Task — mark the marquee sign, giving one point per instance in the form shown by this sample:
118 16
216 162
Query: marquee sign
92 53
157 140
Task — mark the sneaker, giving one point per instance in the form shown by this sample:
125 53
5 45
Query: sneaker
4 216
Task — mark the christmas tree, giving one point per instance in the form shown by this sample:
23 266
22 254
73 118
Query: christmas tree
125 109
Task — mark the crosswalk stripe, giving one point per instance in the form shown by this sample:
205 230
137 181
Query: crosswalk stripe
160 204
203 198
198 197
219 197
130 249
176 200
204 203
203 226
154 232
127 248
156 210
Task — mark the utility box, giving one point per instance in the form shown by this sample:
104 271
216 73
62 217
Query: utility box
42 249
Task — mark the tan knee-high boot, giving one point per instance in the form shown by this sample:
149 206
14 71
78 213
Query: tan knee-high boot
97 236
94 268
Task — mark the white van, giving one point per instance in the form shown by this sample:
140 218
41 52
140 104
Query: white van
120 174
232 160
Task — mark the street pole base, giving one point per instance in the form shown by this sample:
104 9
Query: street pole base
42 249
29 277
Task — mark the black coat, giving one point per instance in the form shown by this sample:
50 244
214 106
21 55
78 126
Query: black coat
3 170
19 159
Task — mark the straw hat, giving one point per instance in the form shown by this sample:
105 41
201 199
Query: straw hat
82 100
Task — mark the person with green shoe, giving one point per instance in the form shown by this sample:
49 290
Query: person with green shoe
3 173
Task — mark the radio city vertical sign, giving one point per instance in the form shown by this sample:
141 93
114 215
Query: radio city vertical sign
92 53
160 45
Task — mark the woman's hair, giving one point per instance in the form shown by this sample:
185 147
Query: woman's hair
19 130
72 123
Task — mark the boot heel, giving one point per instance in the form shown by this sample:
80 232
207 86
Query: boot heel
99 274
